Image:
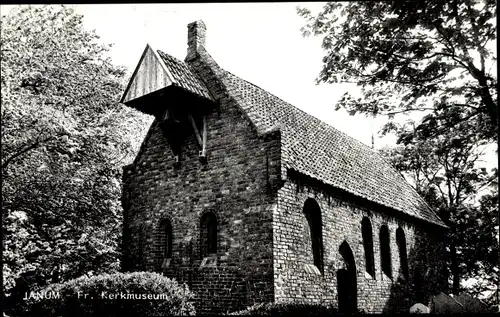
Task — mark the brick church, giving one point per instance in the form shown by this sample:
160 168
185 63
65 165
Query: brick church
247 199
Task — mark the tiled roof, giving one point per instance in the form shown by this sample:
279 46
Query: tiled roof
183 76
312 147
320 151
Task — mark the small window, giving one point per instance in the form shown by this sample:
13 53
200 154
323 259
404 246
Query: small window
366 230
208 234
164 241
403 259
313 216
385 251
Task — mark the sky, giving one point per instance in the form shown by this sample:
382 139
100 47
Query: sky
259 42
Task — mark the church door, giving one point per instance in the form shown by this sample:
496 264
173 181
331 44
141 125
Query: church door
346 282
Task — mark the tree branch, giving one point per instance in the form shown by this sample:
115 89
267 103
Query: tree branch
23 151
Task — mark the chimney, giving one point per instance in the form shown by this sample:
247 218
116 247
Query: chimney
196 39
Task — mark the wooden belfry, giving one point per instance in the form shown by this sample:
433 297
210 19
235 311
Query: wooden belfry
167 89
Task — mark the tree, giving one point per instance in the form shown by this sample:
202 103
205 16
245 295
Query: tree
446 171
434 59
64 140
477 230
411 56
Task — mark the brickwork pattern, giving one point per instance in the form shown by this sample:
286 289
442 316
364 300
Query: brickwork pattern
236 185
264 247
342 222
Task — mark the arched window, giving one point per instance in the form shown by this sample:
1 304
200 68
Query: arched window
403 259
164 241
385 251
208 234
366 230
313 215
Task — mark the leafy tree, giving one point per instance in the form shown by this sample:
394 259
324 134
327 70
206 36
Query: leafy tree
447 172
477 229
411 56
64 140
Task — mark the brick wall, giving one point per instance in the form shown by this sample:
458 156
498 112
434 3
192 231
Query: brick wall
236 184
342 218
263 244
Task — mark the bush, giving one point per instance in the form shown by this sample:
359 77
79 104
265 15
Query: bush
118 294
289 309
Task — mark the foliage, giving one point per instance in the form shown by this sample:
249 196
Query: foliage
447 164
150 294
435 56
289 309
446 171
477 231
64 139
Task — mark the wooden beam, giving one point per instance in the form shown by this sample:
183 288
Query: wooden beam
203 147
196 132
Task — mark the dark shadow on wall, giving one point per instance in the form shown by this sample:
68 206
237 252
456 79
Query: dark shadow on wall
346 282
427 272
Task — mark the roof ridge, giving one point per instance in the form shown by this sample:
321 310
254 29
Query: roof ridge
184 76
304 112
314 147
160 53
348 144
171 56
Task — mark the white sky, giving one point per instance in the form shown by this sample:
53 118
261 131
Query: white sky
259 42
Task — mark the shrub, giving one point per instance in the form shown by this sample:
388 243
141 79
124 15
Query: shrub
289 309
118 294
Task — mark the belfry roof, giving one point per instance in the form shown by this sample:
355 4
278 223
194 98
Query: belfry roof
309 146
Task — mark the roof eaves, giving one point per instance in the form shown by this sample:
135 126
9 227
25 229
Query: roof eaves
325 182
